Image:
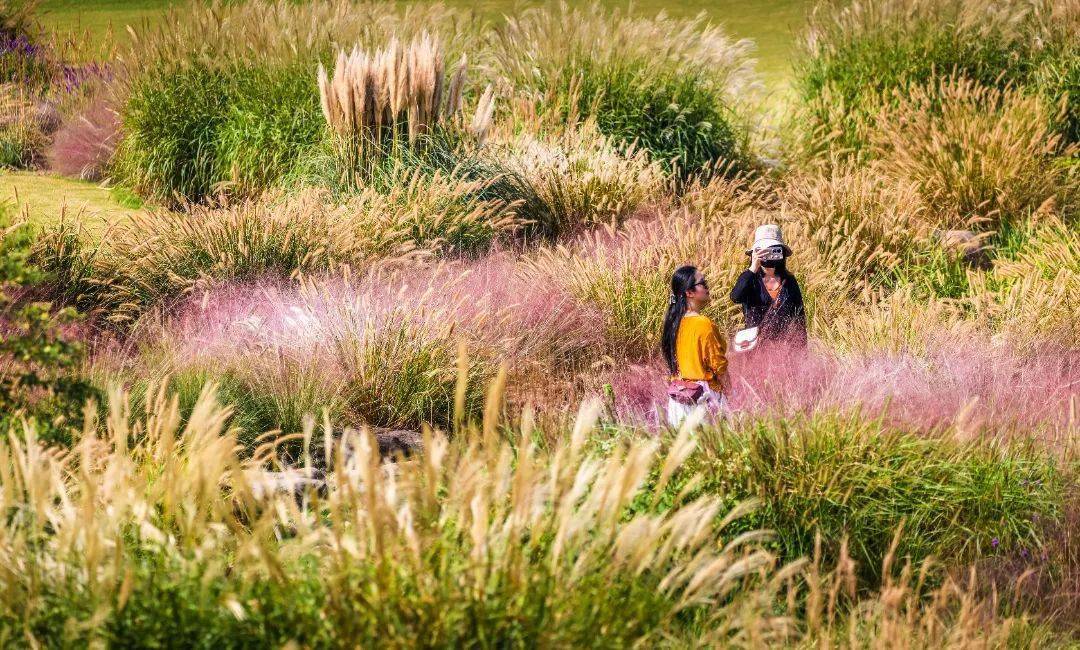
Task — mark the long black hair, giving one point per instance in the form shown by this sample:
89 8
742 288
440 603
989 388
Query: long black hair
681 282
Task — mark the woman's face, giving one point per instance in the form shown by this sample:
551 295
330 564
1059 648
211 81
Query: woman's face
697 295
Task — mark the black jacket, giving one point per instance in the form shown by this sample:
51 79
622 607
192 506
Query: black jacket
784 321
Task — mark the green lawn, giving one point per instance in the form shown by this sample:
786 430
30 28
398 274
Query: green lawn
46 199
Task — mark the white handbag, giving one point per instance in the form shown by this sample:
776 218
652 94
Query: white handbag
746 340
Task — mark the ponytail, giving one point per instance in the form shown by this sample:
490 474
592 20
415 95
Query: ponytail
681 281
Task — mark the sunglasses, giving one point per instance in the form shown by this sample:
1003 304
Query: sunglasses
702 283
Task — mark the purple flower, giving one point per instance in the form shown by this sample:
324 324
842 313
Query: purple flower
994 542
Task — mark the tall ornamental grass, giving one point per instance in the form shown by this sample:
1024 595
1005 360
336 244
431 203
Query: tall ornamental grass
153 532
857 55
377 103
21 135
676 88
190 132
158 257
381 348
850 478
981 157
582 180
224 99
624 272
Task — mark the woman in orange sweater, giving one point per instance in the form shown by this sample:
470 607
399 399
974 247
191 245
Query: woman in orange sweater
693 348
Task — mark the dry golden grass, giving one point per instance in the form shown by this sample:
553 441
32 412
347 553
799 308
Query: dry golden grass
852 225
979 156
479 517
160 256
582 178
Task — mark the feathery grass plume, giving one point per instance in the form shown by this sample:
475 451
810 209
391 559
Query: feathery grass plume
968 382
221 94
915 607
376 346
626 273
906 43
1034 297
275 32
980 156
854 226
583 180
157 257
145 511
377 103
85 143
680 89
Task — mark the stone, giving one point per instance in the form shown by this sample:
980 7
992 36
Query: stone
967 244
398 443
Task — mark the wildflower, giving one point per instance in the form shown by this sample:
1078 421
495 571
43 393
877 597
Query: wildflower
994 542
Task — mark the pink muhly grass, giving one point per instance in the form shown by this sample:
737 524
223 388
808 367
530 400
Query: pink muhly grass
84 144
482 302
974 385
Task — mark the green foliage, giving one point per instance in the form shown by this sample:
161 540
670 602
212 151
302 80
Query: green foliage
18 18
845 475
674 115
858 56
194 130
40 362
400 375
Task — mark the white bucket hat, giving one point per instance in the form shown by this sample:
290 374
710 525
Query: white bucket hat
769 235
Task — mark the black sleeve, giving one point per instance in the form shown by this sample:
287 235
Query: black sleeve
745 288
798 333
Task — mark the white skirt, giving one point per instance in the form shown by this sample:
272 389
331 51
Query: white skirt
715 403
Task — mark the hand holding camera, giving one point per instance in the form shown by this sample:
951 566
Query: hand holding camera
767 254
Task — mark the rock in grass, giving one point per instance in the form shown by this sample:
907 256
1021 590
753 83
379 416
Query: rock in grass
967 244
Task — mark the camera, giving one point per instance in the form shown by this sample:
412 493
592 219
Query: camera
772 253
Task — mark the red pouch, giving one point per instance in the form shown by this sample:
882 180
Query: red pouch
685 392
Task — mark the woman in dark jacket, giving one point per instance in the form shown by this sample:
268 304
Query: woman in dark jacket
769 294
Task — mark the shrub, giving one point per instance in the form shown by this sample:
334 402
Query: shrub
373 116
402 371
853 227
155 258
40 353
192 131
225 98
170 121
582 180
671 87
1034 296
980 156
900 44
